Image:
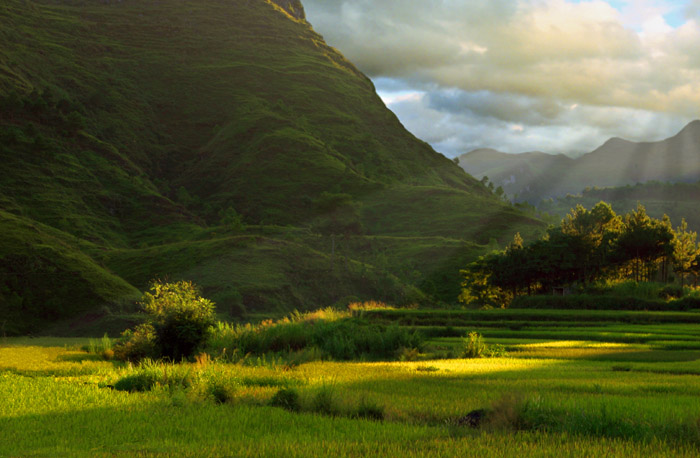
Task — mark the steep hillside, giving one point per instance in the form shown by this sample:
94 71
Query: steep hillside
45 275
222 142
535 176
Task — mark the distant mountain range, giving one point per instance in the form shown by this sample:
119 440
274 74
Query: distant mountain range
535 176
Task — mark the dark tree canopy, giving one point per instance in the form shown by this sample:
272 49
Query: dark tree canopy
588 246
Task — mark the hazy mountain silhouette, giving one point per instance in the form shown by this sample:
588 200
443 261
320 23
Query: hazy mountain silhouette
618 162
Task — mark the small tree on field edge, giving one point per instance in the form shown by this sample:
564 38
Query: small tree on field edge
180 317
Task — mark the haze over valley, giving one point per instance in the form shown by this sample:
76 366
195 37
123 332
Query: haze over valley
536 176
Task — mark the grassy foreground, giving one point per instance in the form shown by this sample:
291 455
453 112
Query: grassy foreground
550 398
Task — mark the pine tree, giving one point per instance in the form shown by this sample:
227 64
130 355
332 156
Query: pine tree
685 250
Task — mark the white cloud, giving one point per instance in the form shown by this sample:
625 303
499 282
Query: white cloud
525 62
692 10
455 122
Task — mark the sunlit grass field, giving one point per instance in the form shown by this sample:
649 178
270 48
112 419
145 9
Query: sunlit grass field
574 398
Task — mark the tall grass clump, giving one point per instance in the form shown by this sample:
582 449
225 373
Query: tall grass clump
150 374
325 401
473 346
102 347
217 386
328 334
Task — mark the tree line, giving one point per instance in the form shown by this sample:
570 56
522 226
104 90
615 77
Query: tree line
586 247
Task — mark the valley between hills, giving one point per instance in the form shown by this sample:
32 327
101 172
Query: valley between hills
217 240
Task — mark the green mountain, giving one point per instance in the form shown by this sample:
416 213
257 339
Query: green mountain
222 142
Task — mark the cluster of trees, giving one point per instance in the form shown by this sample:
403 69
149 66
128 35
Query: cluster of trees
588 246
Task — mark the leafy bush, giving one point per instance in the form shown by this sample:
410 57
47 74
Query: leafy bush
141 381
495 351
231 219
691 302
671 292
180 317
137 344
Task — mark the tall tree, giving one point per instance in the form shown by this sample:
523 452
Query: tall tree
685 250
643 242
593 234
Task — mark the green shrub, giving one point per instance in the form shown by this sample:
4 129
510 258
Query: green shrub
671 292
137 344
685 303
287 398
180 317
473 346
141 381
231 219
495 351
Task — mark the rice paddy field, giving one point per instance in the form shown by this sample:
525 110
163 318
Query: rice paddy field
585 383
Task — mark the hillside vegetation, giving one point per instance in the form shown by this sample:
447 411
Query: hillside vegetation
221 142
677 200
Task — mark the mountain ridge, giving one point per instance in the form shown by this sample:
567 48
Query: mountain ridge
617 162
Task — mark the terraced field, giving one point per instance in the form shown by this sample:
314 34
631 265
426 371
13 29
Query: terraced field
652 330
571 384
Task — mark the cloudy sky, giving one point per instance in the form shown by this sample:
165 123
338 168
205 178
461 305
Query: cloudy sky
523 75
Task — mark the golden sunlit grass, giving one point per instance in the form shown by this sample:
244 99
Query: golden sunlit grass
369 305
574 344
551 398
57 361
